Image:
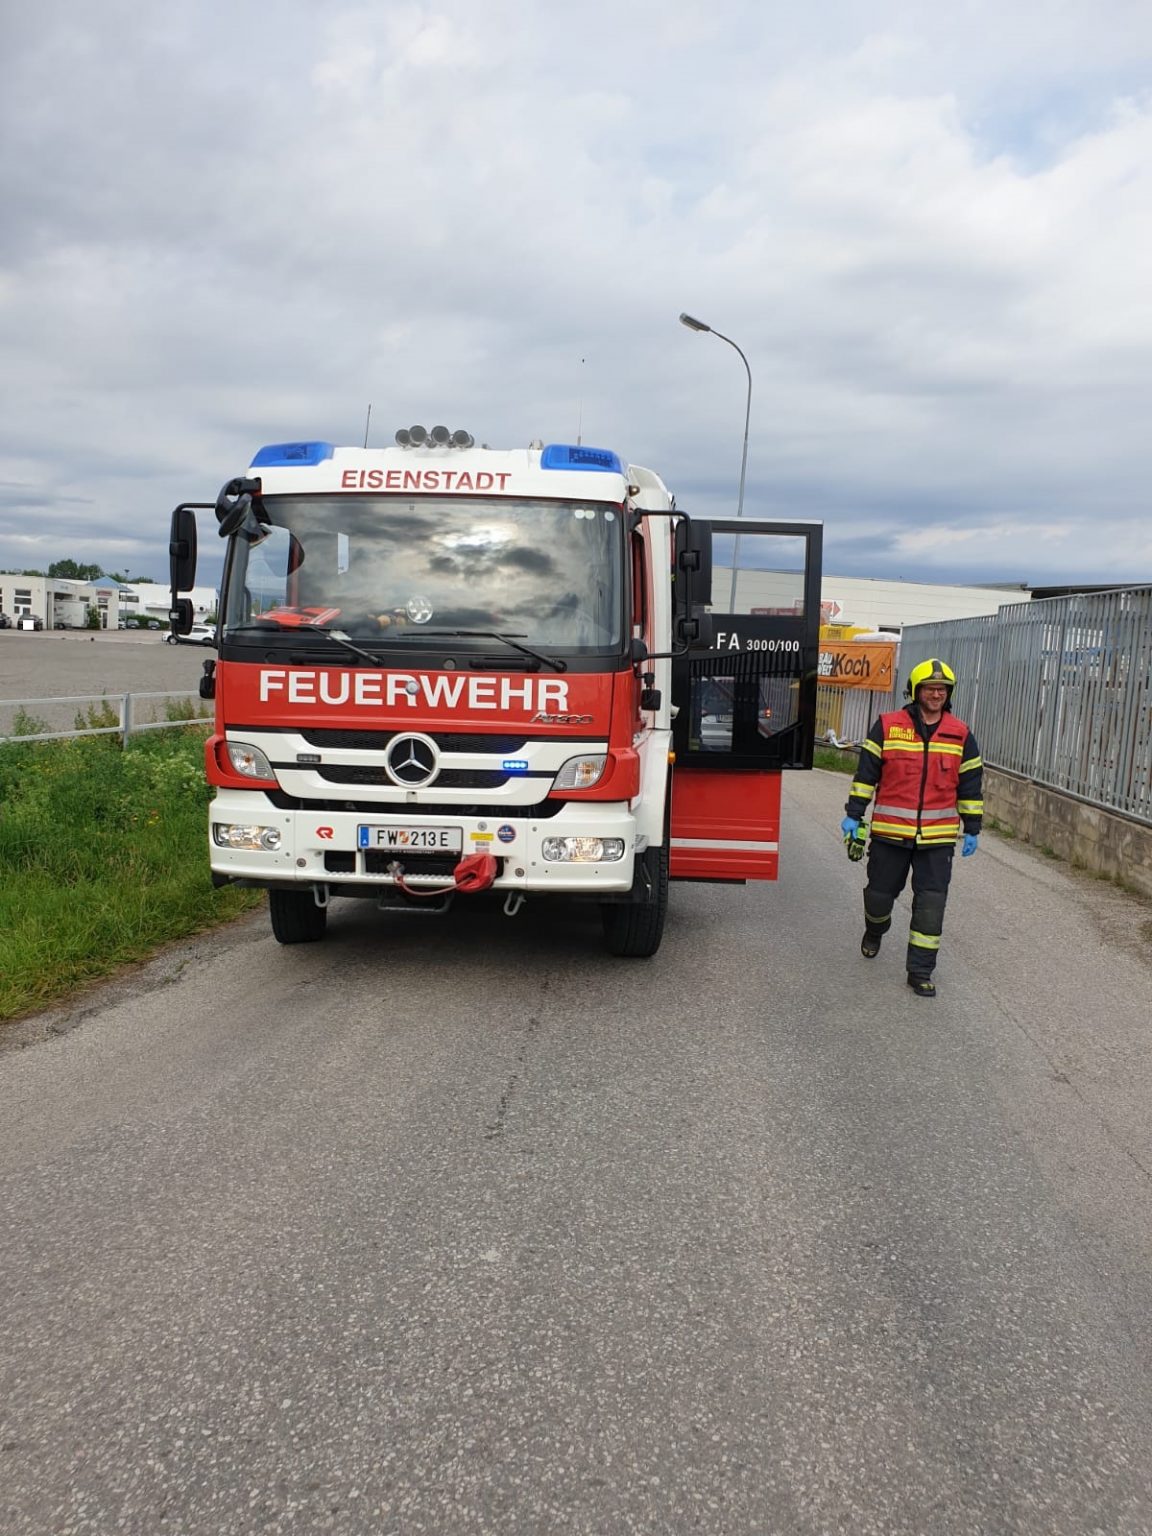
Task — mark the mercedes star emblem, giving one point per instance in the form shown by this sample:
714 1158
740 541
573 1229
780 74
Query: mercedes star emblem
412 761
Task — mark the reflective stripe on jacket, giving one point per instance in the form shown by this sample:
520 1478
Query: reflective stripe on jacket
916 798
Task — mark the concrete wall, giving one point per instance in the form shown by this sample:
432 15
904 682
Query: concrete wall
1090 838
872 601
866 602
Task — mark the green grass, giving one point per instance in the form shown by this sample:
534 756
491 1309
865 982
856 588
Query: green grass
836 760
103 858
991 824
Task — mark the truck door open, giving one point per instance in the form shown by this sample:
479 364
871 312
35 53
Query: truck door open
746 704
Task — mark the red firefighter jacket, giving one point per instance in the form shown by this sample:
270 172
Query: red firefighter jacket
926 780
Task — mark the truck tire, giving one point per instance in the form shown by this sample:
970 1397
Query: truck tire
633 929
296 919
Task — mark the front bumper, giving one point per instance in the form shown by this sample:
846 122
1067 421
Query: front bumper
320 847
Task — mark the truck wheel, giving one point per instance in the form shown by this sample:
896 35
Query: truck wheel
634 928
296 919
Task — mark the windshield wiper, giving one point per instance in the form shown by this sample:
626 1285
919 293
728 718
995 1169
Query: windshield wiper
318 629
555 662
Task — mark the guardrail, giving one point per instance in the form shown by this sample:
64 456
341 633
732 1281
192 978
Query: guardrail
128 708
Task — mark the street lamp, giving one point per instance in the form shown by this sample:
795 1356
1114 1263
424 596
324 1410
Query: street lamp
698 325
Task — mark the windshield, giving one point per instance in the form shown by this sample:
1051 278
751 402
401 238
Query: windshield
546 572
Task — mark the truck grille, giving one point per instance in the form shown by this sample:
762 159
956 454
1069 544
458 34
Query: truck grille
449 778
543 810
446 741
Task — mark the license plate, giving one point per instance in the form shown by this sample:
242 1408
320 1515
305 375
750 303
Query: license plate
411 839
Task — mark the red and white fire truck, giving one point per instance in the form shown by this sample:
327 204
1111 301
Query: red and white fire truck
445 670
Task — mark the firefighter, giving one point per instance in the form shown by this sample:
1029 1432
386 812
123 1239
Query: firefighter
925 769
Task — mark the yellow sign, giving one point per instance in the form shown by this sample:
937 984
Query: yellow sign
857 664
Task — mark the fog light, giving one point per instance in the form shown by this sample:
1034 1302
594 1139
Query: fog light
583 850
226 834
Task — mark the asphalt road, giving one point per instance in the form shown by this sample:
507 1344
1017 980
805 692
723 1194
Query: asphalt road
459 1225
54 664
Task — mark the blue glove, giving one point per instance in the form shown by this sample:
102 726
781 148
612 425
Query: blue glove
850 826
969 846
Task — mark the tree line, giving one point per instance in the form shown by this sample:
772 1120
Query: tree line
72 570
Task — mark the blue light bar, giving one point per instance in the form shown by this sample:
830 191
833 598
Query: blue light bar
571 456
515 765
292 453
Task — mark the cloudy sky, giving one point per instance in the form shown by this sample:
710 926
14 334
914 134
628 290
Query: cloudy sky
929 228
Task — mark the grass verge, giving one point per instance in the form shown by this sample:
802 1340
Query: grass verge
835 759
103 858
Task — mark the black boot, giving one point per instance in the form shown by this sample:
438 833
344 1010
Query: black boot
923 986
870 945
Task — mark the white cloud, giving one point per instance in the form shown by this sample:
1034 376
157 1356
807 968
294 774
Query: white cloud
926 227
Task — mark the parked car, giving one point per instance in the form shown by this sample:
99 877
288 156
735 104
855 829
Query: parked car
5 621
31 621
199 634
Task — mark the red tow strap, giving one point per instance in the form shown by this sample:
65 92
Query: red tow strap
476 872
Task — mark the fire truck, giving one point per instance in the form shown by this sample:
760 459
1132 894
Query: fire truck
444 670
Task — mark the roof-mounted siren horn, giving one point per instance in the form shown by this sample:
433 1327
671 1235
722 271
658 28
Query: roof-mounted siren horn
462 439
416 436
440 436
404 437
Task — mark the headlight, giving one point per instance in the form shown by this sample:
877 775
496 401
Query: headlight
583 850
581 772
254 839
249 761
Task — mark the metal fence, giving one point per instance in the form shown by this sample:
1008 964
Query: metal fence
845 715
133 712
1057 690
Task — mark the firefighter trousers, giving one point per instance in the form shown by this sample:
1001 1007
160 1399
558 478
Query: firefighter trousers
888 866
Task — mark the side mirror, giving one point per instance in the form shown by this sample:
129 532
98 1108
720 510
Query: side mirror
181 615
234 507
182 549
693 567
692 585
697 632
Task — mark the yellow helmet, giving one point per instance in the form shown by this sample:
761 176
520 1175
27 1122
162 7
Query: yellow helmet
932 671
